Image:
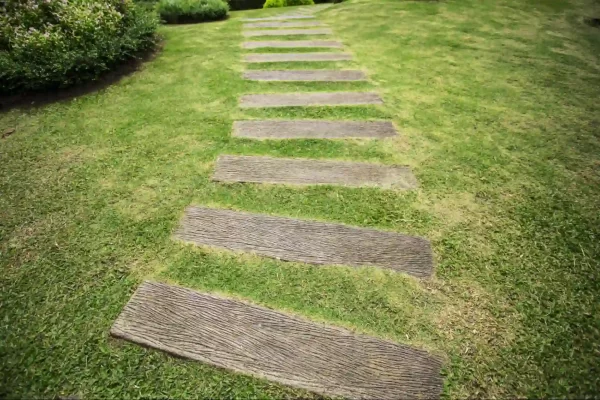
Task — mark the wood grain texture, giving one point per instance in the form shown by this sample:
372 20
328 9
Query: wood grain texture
297 24
306 241
296 57
305 75
284 44
313 129
295 171
278 18
267 344
287 32
309 99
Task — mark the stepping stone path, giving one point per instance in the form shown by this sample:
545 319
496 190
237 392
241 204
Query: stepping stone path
290 57
311 242
268 344
309 99
279 18
305 75
319 129
288 32
282 24
333 44
265 343
295 171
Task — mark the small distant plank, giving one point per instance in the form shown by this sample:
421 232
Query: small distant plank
309 99
288 32
306 75
286 44
278 18
295 171
306 241
318 129
290 350
293 57
299 24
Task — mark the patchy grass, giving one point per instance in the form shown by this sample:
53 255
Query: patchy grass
497 106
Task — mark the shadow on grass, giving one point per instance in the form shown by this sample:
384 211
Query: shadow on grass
38 99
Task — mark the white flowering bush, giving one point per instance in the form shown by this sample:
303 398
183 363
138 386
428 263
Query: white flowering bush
47 44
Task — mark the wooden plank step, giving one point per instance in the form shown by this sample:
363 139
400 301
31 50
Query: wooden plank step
292 57
288 44
275 24
305 75
296 171
278 18
290 350
313 129
309 99
288 32
306 241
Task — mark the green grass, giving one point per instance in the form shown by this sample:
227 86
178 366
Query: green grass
497 104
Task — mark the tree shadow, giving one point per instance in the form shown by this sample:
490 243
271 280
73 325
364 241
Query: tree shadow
38 99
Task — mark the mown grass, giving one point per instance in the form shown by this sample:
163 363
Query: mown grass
497 107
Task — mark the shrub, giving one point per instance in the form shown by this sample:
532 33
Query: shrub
187 11
57 43
274 3
285 3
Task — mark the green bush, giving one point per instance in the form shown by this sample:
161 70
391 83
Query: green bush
57 43
188 11
274 3
285 3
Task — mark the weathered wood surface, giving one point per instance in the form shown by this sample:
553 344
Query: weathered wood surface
268 344
278 18
306 241
287 32
309 99
285 44
304 75
296 171
299 24
313 129
294 57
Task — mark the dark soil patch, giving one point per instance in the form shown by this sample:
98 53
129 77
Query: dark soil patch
7 132
37 99
593 22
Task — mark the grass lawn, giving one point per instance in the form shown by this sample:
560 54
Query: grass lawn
497 104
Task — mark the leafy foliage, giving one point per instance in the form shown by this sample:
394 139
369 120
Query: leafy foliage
57 43
285 3
186 11
274 3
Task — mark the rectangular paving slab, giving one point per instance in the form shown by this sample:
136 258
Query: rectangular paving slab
309 99
296 171
287 349
305 75
318 129
278 18
292 57
298 24
306 241
287 44
288 32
